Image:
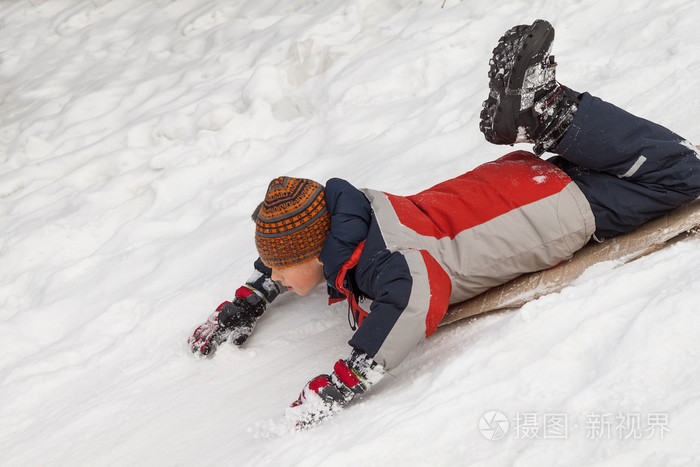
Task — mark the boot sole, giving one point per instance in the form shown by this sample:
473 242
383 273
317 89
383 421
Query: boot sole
503 104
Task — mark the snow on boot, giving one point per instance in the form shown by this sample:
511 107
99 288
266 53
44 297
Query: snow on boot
525 103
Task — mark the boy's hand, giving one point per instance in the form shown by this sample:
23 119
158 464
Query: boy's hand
236 319
318 400
207 337
326 395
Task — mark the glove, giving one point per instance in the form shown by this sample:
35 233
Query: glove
325 395
231 319
207 337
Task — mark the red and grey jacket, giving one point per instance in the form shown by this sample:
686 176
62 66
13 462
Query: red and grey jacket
413 256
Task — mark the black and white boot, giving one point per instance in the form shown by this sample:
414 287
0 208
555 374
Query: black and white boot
526 104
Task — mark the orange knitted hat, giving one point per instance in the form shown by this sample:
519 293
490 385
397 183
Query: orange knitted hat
292 223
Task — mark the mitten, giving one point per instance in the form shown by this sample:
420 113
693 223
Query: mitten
325 395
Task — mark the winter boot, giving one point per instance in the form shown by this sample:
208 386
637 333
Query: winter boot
525 103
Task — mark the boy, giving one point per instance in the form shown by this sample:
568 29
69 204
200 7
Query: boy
415 255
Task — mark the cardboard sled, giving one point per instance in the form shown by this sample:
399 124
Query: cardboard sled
623 248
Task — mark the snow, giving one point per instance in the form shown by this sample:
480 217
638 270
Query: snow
137 136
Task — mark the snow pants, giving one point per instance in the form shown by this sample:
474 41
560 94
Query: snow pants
631 170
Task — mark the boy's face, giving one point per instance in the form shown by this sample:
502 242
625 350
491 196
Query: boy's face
300 278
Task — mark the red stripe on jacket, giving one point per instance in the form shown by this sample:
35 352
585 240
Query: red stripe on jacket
458 204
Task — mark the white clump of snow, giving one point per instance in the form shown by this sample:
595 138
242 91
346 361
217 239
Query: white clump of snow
136 137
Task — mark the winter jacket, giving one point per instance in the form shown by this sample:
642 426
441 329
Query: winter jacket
412 256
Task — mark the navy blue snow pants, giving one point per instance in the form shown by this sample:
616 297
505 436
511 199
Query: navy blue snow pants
631 170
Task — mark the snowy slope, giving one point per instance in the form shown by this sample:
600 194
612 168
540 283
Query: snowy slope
137 136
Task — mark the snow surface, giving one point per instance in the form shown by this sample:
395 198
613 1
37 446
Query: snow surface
137 136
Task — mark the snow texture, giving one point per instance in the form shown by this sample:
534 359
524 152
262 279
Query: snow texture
136 137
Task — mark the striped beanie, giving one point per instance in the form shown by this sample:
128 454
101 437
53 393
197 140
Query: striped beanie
292 223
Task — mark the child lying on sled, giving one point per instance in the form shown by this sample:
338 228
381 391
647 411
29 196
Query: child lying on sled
413 256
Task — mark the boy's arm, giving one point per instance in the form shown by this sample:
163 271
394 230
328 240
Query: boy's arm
237 319
411 294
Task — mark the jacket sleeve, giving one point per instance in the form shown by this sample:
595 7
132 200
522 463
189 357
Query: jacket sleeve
411 294
350 213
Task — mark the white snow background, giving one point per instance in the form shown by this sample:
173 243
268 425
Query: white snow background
136 137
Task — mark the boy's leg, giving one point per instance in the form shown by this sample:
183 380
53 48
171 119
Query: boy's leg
618 205
605 138
631 170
